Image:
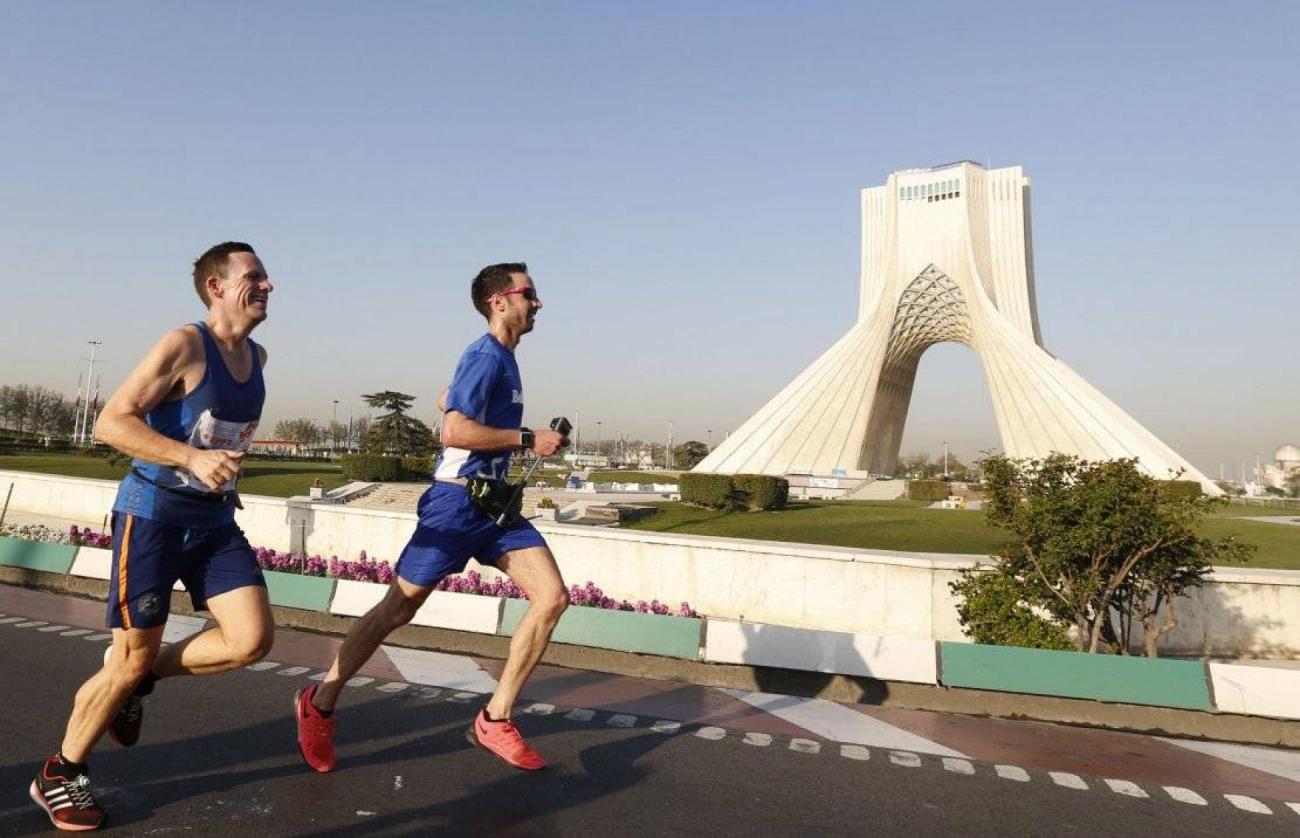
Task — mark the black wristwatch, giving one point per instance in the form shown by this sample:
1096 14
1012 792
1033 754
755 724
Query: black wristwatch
526 438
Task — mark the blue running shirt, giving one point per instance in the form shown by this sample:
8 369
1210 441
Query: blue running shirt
486 388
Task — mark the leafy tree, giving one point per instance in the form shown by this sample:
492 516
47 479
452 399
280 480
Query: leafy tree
33 409
1097 545
687 455
1293 482
394 432
336 434
299 430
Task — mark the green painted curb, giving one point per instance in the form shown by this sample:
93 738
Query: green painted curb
1158 683
37 555
312 593
624 631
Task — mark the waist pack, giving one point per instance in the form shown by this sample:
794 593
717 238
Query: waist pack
502 501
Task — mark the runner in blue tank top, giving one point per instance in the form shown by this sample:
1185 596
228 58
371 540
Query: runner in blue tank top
484 408
186 415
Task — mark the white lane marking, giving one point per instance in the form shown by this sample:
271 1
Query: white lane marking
805 746
31 623
958 766
294 670
99 637
1012 772
829 720
464 697
621 720
712 733
1069 781
397 783
666 726
54 628
1248 804
436 669
390 687
1271 760
7 620
581 714
905 759
262 666
1294 807
855 752
76 632
1126 788
429 692
1183 795
540 709
359 681
761 740
365 814
181 626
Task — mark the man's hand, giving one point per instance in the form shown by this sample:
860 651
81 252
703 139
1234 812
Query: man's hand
546 443
214 466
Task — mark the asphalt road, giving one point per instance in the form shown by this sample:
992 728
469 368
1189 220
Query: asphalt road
218 757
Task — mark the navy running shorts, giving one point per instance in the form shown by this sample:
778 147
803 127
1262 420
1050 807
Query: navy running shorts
452 529
149 557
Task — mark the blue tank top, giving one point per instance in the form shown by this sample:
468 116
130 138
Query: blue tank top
219 413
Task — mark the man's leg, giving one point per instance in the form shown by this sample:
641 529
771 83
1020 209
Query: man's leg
132 656
534 570
243 634
395 610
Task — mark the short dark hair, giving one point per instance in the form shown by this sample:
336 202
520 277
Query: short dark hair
493 280
213 261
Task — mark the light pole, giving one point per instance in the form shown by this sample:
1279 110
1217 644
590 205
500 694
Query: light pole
600 436
334 421
945 459
708 436
85 422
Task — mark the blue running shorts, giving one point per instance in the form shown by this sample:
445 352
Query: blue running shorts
149 557
452 529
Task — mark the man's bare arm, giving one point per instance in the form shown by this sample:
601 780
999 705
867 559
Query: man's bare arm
459 431
122 424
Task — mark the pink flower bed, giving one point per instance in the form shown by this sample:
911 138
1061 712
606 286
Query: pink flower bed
365 569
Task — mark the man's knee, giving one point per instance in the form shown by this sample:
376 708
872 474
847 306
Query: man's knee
399 607
250 645
552 604
129 664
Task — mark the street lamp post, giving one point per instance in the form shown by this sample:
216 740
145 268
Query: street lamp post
334 421
86 432
945 459
708 436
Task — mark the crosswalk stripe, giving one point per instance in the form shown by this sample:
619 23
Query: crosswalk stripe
855 752
905 759
1183 795
1012 772
711 733
580 714
1248 804
805 746
1067 780
621 720
761 740
958 766
666 726
1126 788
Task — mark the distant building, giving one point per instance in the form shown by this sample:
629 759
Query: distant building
579 460
1286 459
278 447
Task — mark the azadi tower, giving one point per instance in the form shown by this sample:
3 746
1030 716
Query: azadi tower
946 256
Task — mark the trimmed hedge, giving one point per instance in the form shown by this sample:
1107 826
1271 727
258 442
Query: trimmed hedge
1179 489
740 491
761 491
372 468
930 490
418 465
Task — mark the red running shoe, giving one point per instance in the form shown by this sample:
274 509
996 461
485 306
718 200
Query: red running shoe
502 738
65 795
315 732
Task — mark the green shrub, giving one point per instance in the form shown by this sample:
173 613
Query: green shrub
1181 489
928 490
547 502
993 610
372 468
761 491
418 466
711 490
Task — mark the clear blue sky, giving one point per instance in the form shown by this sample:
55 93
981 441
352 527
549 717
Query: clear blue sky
683 179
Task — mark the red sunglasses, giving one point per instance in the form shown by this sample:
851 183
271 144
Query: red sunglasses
528 291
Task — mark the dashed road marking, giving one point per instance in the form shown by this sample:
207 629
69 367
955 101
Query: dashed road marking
805 746
31 624
761 740
1294 807
621 720
711 733
464 697
905 759
100 636
359 681
1012 772
1248 804
393 687
1069 781
857 752
75 632
580 714
540 709
666 726
8 620
291 671
1183 795
262 666
428 692
54 628
958 766
1126 788
319 676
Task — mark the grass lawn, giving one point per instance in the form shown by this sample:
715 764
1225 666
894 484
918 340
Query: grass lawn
632 477
910 527
261 477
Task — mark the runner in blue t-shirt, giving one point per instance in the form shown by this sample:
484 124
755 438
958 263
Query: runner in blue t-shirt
484 408
186 414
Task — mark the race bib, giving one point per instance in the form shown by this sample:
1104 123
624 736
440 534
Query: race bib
211 432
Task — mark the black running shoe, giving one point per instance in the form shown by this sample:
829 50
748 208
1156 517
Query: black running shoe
65 795
125 726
